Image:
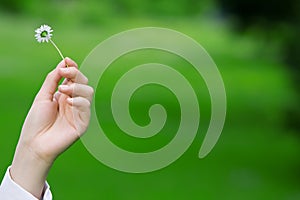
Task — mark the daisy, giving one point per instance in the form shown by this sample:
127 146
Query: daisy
44 34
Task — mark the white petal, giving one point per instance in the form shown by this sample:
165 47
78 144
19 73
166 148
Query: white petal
43 28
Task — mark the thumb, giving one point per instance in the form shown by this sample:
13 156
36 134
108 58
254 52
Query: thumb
50 84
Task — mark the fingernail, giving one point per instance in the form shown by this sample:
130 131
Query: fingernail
63 87
70 99
64 69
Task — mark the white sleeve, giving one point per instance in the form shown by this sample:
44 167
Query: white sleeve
9 190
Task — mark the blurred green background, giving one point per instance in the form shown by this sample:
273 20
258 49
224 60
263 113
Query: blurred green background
257 156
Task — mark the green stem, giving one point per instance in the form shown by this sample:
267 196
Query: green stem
61 55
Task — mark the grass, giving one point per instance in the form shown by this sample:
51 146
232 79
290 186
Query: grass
257 157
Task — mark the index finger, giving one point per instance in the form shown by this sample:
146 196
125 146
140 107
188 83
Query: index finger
73 74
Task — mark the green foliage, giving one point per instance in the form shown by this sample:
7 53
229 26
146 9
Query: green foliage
257 157
108 8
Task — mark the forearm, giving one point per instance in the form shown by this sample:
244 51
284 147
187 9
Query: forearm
29 171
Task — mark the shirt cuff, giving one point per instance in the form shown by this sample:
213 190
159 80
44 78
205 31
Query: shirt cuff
9 190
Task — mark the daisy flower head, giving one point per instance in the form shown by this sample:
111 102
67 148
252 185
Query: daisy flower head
43 33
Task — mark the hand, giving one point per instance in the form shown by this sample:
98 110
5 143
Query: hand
55 121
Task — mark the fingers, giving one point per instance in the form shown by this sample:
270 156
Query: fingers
77 90
80 102
56 96
70 62
51 82
73 74
81 113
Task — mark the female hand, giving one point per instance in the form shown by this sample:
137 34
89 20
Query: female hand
55 121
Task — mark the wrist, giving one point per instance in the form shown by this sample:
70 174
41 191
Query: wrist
29 170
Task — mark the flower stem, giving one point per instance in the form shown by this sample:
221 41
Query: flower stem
61 55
